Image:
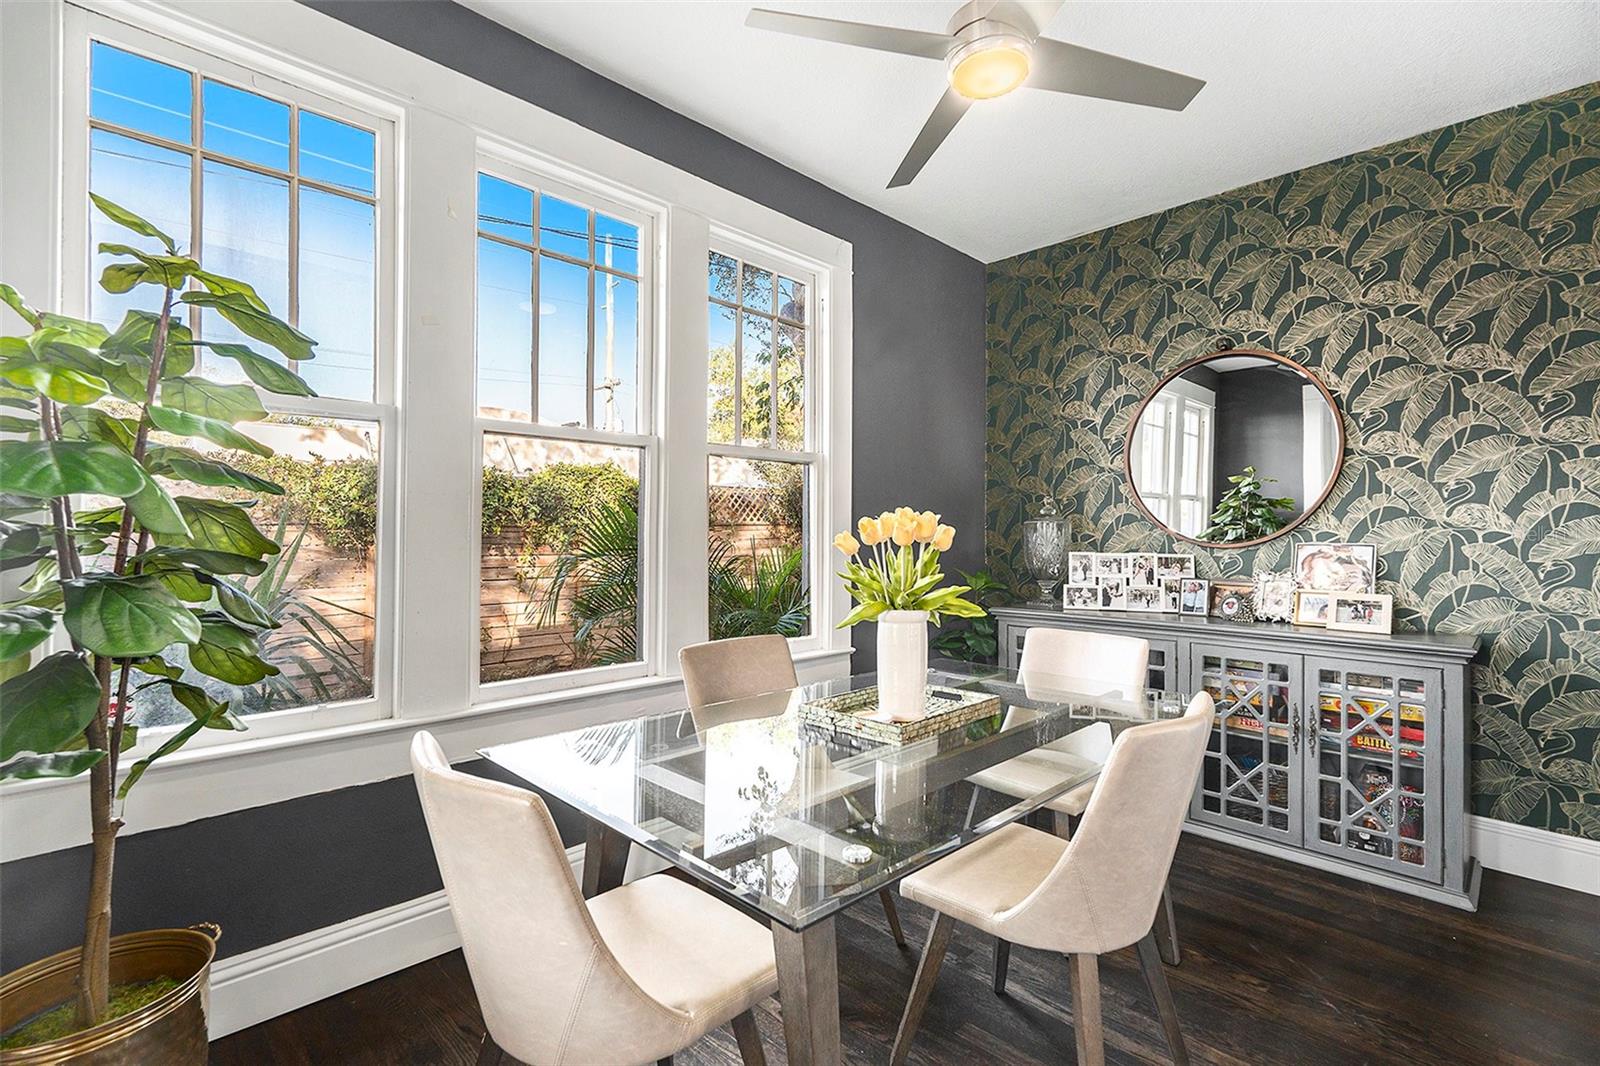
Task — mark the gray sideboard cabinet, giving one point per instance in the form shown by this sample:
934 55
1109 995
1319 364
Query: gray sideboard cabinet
1344 751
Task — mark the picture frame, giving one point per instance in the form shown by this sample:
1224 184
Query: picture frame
1194 596
1142 569
1336 567
1110 566
1114 595
1144 598
1170 594
1366 612
1174 566
1080 568
1221 589
1080 597
1274 597
1311 607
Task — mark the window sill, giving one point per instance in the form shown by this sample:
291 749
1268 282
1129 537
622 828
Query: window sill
47 815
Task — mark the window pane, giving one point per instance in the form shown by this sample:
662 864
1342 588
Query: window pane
338 278
560 558
322 586
719 375
616 244
723 277
759 561
791 387
616 339
152 183
246 125
505 209
757 289
756 389
244 235
563 343
337 153
505 330
563 227
791 299
140 94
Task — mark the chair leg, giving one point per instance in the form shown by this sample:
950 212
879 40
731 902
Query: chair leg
1061 824
1166 928
972 807
1156 978
489 1053
922 985
891 912
749 1038
1002 963
665 1061
1086 1023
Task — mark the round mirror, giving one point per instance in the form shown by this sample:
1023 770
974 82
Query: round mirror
1234 448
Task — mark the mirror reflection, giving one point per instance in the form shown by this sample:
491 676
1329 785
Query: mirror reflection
1234 448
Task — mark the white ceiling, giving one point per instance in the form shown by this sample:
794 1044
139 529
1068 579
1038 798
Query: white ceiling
1289 85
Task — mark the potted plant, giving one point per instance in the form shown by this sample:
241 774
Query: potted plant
896 584
979 640
104 429
1243 513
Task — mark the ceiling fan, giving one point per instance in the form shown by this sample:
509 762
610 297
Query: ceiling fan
990 48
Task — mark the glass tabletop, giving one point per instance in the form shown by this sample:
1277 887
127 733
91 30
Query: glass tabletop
769 801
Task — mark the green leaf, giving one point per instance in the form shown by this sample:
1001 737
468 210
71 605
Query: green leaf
213 713
126 616
135 339
93 424
228 653
213 562
44 469
62 384
186 465
209 399
166 271
156 666
252 321
222 286
185 584
127 219
55 764
156 511
865 612
240 604
43 709
24 628
267 373
174 742
220 526
13 299
184 424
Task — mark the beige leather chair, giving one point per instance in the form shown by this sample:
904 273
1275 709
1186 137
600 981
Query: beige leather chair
630 976
737 669
1096 893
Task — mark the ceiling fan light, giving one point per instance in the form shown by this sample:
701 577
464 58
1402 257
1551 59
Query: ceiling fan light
990 66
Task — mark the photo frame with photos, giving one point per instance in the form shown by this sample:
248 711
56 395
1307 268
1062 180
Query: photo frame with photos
1274 597
1170 592
1174 566
1080 598
1110 566
1336 567
1146 598
1194 596
1311 607
1113 595
1367 612
1142 569
1080 568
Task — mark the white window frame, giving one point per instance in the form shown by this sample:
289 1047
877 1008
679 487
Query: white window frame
82 29
500 161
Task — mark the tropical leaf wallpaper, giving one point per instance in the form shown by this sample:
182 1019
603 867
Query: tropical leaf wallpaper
1447 290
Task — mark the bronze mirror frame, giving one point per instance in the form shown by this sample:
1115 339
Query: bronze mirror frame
1307 512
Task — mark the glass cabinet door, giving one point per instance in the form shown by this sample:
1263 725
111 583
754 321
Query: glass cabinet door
1373 778
1250 779
1163 673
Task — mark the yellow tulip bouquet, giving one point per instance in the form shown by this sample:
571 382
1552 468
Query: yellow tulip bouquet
899 571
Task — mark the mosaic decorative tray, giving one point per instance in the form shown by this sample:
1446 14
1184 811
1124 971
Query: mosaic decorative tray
857 713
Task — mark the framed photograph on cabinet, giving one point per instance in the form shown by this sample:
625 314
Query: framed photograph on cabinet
1080 568
1311 607
1336 567
1361 613
1194 596
1114 595
1142 569
1274 597
1174 566
1222 590
1171 592
1111 566
1144 597
1080 598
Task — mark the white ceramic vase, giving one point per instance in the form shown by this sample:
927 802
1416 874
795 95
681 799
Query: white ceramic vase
902 663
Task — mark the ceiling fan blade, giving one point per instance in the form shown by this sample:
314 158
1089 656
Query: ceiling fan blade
882 38
1068 68
1030 15
945 115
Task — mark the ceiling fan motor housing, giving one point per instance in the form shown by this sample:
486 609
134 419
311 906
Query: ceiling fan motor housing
989 58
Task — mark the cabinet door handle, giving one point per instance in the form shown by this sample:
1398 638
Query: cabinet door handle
1311 730
1294 727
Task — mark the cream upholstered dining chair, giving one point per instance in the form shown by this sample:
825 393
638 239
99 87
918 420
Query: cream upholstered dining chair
631 976
742 667
1093 894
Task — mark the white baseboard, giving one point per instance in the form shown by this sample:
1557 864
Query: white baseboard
1554 858
251 988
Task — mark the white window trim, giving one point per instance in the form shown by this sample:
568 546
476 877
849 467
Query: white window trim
453 116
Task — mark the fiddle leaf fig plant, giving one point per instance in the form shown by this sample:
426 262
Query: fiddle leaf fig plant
1243 513
109 500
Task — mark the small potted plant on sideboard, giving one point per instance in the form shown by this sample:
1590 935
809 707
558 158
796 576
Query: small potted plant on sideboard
136 535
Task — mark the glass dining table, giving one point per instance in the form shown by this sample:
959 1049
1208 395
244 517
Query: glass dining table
777 808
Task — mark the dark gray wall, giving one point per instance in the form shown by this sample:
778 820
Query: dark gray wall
273 872
1260 423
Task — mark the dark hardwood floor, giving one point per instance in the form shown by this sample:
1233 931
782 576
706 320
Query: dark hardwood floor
1281 964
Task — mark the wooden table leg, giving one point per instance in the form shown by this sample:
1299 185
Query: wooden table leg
605 859
808 992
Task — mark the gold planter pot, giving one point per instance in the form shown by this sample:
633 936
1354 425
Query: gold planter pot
172 1029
